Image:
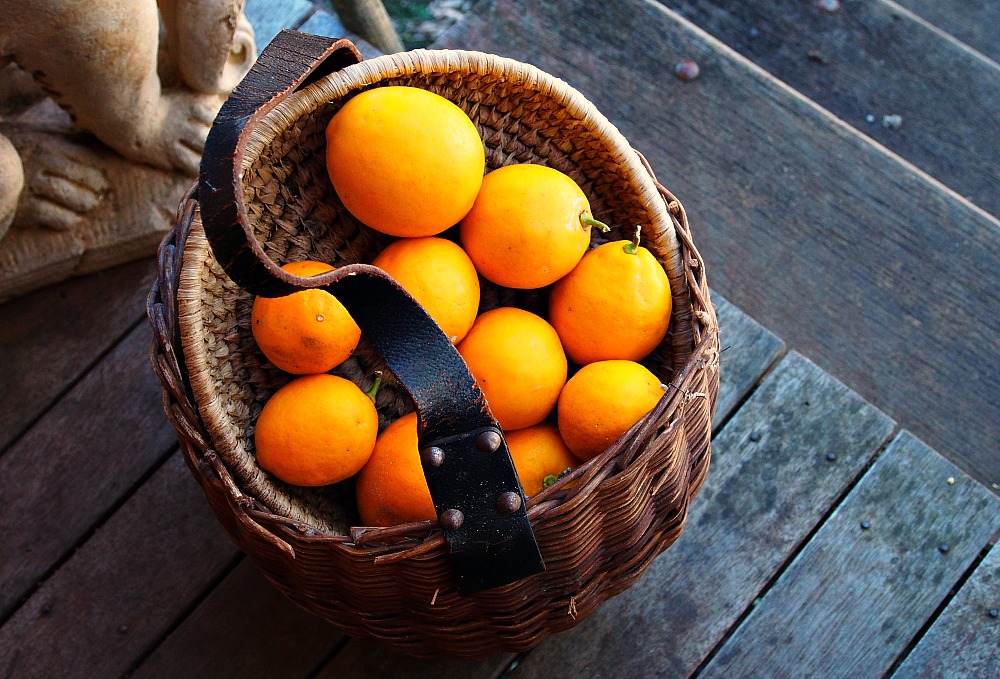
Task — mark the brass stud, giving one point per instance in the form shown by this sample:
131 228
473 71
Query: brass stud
489 441
432 456
508 502
451 519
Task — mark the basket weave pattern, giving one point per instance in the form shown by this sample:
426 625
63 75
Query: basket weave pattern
598 528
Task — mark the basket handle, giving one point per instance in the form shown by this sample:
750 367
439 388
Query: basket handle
476 492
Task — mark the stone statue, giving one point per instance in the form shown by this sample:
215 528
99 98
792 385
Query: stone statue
104 109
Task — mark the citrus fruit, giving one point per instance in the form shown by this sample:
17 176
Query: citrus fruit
614 305
306 332
404 161
601 401
316 430
519 364
440 276
539 456
391 488
529 226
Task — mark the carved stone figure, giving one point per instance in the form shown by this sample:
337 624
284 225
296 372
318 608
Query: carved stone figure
104 109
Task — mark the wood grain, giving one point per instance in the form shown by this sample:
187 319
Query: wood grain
818 618
77 462
872 59
244 628
367 659
124 588
748 349
268 17
50 337
965 638
864 264
974 22
770 485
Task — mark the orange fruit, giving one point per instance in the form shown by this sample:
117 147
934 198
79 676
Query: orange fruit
519 364
614 305
539 456
391 488
527 227
306 332
316 430
601 401
404 161
440 276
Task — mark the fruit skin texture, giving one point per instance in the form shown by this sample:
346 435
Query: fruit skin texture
289 330
316 430
538 452
404 161
440 276
519 364
613 305
524 230
601 401
391 488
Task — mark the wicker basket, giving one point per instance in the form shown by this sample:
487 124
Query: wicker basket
597 529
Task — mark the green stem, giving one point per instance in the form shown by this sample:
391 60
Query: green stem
587 219
371 393
633 247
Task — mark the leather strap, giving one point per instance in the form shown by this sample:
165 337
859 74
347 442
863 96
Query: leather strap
469 471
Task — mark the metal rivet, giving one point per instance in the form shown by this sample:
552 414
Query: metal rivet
993 613
943 549
865 525
755 437
489 441
832 457
432 456
452 519
508 502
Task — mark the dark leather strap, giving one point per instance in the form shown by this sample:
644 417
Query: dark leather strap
465 457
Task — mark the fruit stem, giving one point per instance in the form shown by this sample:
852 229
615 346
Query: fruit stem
371 393
587 219
633 247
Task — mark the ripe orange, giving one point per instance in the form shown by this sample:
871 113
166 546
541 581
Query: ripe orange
316 430
440 276
306 332
539 456
614 305
519 364
601 401
391 488
404 161
529 226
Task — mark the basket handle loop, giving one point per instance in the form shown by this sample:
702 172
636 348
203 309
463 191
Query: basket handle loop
476 492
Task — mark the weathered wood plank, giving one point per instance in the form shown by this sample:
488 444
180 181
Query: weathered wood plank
974 22
268 17
860 61
860 262
771 483
366 659
124 588
77 462
49 337
748 349
244 628
965 639
922 535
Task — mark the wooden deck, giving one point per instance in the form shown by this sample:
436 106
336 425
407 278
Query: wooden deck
829 541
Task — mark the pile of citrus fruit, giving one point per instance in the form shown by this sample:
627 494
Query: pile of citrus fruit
411 164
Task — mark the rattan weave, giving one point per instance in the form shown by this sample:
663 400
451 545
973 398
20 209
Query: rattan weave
598 528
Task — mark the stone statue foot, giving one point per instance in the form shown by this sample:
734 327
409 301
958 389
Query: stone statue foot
174 137
62 185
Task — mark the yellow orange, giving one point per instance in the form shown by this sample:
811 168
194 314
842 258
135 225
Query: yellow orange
404 161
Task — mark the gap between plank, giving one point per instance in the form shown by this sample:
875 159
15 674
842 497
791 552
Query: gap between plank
806 539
